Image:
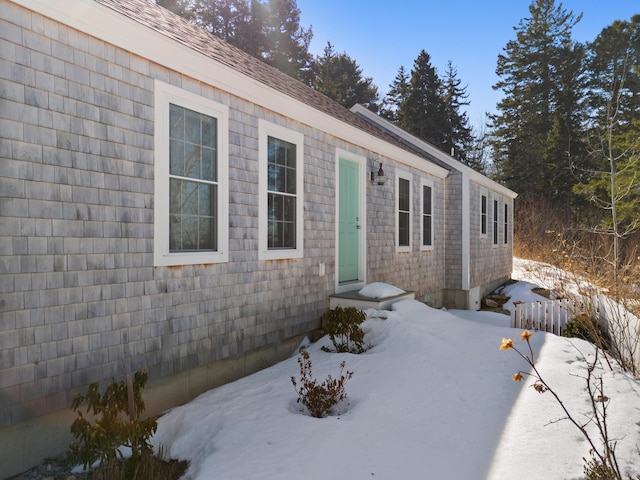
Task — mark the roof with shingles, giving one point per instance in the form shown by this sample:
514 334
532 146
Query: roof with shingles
173 26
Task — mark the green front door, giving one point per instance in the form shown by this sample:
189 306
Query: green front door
349 221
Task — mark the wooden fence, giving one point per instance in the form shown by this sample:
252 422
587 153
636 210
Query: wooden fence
550 316
622 326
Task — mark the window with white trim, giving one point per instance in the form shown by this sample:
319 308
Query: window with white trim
506 223
281 192
483 215
426 237
191 177
495 222
403 212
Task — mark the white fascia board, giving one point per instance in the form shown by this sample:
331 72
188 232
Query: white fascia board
114 28
431 150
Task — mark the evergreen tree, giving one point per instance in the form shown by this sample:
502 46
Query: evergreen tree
458 138
286 42
477 152
231 20
423 113
268 30
340 78
430 108
536 134
179 7
613 72
393 103
251 37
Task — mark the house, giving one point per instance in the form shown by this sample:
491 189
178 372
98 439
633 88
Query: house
478 228
169 202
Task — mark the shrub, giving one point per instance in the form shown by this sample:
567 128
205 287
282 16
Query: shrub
115 425
149 467
319 398
594 469
587 328
343 327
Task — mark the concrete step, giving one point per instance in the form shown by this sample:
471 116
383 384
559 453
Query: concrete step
354 299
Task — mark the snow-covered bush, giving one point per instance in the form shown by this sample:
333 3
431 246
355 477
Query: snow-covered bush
343 327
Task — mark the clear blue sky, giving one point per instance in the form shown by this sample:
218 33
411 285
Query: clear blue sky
383 35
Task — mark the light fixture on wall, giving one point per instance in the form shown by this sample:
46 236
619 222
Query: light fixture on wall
379 177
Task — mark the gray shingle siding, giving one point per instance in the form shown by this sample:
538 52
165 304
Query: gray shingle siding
454 231
417 270
491 264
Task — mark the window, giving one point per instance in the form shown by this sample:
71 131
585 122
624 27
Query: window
190 218
193 181
427 216
281 189
403 202
495 222
281 193
506 224
483 215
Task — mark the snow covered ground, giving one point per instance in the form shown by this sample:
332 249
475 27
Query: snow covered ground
432 399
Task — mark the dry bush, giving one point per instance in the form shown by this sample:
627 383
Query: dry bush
537 221
604 462
147 467
319 398
607 290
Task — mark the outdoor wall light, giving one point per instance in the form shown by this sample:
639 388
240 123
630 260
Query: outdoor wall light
378 178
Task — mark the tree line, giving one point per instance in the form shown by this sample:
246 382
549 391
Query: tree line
567 130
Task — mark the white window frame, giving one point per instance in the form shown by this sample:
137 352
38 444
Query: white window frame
430 184
165 95
405 176
265 130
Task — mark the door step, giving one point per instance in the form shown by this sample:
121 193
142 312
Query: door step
354 299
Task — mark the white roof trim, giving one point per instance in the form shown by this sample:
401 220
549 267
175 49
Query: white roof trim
106 24
433 151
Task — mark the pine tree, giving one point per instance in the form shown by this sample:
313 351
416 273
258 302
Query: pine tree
477 153
536 134
458 138
393 103
251 33
430 108
228 19
179 7
423 113
339 77
267 30
613 72
286 42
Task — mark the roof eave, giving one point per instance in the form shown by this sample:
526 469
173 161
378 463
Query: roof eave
433 151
